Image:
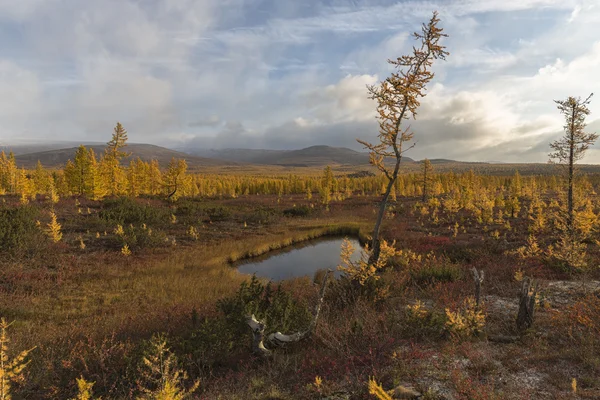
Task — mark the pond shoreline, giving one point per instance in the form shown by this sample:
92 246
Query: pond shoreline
340 230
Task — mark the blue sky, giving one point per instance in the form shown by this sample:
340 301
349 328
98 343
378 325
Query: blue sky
290 74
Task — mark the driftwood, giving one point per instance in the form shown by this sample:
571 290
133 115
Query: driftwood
478 278
527 304
278 339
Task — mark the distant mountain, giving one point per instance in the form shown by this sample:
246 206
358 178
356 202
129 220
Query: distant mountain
147 152
308 157
27 147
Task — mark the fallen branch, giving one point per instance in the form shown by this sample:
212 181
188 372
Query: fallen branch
258 333
278 339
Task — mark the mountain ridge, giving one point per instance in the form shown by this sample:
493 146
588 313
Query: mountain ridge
146 152
318 155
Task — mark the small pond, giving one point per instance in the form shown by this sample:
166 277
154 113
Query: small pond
302 259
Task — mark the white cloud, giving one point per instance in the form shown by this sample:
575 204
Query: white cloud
183 68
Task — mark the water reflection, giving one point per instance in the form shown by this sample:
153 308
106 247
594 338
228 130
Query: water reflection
299 260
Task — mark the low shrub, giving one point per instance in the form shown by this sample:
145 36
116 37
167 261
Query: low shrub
19 232
127 211
218 213
262 215
273 306
301 211
434 270
142 238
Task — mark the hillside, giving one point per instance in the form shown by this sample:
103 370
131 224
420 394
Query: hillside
147 152
308 157
27 147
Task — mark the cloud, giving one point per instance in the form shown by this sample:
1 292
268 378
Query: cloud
289 74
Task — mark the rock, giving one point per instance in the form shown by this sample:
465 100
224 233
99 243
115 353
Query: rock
404 392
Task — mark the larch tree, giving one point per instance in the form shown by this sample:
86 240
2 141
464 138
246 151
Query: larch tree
175 179
398 100
572 146
112 159
427 182
82 178
567 151
41 179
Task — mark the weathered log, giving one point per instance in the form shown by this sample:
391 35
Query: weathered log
278 339
258 332
478 278
527 298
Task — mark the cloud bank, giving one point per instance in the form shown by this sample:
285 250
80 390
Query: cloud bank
288 74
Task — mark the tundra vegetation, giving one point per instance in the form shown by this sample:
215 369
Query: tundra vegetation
118 284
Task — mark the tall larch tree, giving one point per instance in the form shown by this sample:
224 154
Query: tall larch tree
572 146
115 176
82 178
398 100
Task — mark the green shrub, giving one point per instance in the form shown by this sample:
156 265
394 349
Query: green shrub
435 270
210 343
262 215
301 211
189 208
421 321
127 211
141 238
274 306
218 213
18 230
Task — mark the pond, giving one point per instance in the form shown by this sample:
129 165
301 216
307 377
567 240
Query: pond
303 259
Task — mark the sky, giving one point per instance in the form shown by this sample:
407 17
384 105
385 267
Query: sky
287 74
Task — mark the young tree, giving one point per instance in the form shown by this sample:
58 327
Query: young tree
118 141
115 177
397 100
175 179
572 146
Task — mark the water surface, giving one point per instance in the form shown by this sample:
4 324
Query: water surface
303 259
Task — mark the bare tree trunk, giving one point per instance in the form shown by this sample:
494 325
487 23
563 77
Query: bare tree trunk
527 297
478 278
570 221
375 242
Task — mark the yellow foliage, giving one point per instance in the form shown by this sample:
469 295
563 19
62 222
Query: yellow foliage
10 370
519 276
532 249
119 230
318 382
417 310
125 250
54 228
162 378
84 389
467 321
193 232
376 390
362 270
